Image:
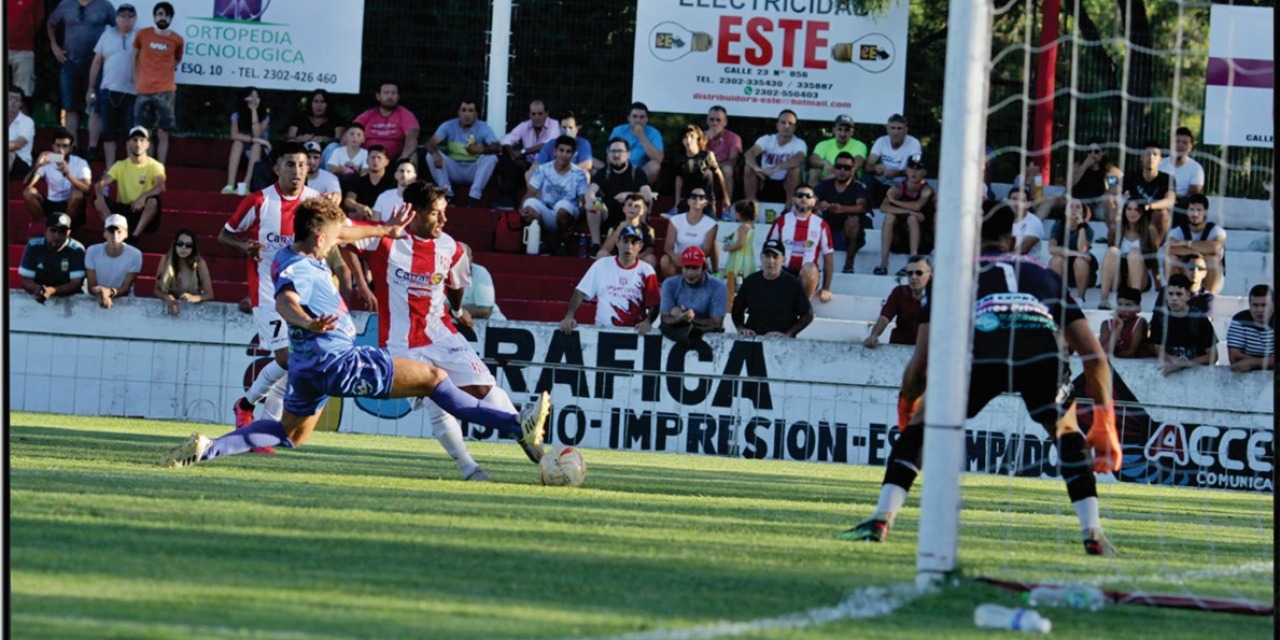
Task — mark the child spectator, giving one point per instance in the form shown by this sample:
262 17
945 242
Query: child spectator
634 210
249 124
739 246
351 158
183 275
1125 334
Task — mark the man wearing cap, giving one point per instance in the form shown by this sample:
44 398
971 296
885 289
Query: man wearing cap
624 287
910 202
112 266
822 162
68 178
320 179
139 182
771 302
113 101
806 237
693 303
53 265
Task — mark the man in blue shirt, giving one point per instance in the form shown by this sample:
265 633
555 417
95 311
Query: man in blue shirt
645 141
324 360
53 265
469 153
693 303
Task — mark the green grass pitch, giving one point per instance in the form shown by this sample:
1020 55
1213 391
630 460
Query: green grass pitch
360 536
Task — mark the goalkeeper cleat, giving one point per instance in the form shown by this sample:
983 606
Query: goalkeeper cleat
873 530
533 421
1096 543
478 475
188 453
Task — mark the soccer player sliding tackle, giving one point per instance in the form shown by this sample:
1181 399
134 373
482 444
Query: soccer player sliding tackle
324 360
1015 349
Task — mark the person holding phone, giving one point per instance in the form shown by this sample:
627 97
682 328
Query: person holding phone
68 180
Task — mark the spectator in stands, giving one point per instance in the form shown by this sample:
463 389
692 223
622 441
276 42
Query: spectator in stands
315 123
68 179
1131 257
113 99
1182 337
324 182
625 288
1153 188
1069 244
822 164
698 168
522 144
470 152
1028 230
611 186
183 275
1195 235
82 23
362 190
581 158
53 265
1199 297
388 200
911 203
904 303
1125 334
693 303
390 125
842 201
156 53
481 298
351 158
1251 338
23 18
250 122
693 228
1026 181
806 237
22 137
771 302
775 160
887 159
1095 181
635 211
724 144
139 182
643 141
555 198
740 246
1188 175
112 266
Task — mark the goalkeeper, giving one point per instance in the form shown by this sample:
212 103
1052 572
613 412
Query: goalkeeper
1015 348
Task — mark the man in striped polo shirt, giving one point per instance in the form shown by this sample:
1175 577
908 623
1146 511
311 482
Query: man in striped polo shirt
1251 336
806 237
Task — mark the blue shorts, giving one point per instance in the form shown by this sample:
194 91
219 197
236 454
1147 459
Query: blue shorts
116 110
364 372
73 83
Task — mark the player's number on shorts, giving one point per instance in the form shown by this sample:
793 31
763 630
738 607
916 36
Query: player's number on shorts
277 324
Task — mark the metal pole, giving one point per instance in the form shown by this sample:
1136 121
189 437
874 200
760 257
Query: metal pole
499 65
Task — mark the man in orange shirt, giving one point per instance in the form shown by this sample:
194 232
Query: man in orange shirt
156 54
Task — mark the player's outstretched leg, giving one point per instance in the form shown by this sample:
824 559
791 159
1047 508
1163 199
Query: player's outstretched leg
900 473
198 448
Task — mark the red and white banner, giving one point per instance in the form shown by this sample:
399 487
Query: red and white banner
1239 100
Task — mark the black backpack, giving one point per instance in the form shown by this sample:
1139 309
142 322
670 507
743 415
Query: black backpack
1185 227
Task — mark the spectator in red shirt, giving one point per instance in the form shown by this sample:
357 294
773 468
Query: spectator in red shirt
391 125
23 16
724 144
904 304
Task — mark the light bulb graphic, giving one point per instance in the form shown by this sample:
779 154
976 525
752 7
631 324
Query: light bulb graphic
873 52
669 41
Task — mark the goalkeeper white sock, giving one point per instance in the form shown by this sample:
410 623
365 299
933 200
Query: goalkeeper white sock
1087 512
273 404
269 375
448 431
892 497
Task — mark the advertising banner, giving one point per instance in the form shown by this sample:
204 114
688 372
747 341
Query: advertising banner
758 57
295 45
1239 100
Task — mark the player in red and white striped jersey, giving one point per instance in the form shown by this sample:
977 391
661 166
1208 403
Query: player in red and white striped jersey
261 225
419 281
806 236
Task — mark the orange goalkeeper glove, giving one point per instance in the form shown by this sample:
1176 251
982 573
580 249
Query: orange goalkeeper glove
1104 440
906 409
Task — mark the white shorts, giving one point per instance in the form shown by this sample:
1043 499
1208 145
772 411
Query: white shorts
456 356
547 213
273 332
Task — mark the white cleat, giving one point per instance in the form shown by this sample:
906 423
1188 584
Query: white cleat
533 421
187 453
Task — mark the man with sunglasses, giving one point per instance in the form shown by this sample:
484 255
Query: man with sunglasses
842 201
112 266
805 237
68 179
53 265
822 162
610 187
904 303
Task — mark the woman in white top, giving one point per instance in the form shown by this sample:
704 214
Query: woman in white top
1028 231
689 229
1131 258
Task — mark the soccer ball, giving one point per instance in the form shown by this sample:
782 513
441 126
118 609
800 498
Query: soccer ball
562 467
